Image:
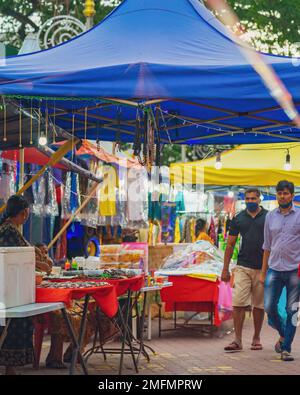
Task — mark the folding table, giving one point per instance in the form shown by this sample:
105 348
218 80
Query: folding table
34 309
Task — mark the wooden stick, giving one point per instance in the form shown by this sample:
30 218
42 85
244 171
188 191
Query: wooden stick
52 161
85 202
71 166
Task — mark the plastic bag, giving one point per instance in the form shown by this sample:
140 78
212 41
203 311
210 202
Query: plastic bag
200 257
71 197
137 199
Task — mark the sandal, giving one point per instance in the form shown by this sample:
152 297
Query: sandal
233 347
256 346
55 365
278 347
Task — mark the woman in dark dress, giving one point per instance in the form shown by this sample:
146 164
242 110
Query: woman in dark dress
17 349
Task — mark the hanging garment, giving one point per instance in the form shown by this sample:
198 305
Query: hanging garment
168 218
39 192
177 231
193 227
212 231
61 246
7 181
137 198
229 205
71 199
187 236
50 206
180 206
107 193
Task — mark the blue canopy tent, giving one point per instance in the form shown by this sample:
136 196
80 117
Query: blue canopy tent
173 56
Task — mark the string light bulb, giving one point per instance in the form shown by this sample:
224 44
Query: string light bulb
287 166
43 140
218 164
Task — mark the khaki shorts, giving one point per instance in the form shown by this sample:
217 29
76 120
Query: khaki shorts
247 290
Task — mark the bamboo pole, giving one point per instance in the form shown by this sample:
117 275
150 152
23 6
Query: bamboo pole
85 202
71 166
52 161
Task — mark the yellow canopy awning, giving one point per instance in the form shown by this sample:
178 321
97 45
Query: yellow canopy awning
246 165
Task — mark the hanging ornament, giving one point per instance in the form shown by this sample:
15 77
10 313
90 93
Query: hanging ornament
39 123
145 140
98 145
151 148
20 127
31 126
54 124
118 135
98 140
46 121
73 134
158 147
137 136
85 122
4 119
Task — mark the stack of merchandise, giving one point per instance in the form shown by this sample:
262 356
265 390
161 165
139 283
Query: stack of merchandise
200 258
118 256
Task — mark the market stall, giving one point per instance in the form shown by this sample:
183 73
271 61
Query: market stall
195 273
260 165
189 85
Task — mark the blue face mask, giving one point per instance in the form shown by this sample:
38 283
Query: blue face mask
252 207
286 205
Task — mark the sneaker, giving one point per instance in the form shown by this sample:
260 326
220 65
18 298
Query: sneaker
278 347
286 356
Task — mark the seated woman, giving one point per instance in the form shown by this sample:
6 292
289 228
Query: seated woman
201 231
58 330
17 349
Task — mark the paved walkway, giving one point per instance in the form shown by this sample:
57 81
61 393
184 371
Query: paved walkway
188 353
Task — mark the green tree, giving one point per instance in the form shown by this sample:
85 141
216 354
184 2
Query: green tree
19 17
274 24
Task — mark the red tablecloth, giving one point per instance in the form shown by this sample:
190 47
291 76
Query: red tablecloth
124 285
105 296
192 294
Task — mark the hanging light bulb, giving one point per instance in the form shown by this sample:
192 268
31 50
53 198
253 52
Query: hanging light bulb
43 140
218 164
288 166
230 194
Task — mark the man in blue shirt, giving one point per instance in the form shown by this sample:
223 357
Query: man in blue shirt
280 266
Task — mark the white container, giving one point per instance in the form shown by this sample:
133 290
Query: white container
80 262
92 263
17 276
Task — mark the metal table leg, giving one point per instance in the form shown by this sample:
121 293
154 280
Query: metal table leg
4 333
77 343
126 335
141 330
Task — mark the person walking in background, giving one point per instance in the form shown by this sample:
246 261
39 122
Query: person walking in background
247 290
280 267
201 231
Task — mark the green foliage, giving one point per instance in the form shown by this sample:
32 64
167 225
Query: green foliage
276 23
22 16
171 153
